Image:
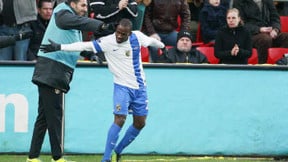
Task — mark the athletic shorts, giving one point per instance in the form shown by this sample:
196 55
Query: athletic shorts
128 100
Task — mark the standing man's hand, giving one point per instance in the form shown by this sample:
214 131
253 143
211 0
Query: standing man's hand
52 47
122 4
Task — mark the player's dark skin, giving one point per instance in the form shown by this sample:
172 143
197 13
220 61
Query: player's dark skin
122 34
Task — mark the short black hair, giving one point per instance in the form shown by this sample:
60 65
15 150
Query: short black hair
126 23
69 1
40 2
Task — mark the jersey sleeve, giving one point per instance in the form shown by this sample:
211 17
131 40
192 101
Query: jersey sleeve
148 41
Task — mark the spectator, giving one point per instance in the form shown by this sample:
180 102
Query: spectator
233 42
212 17
262 20
111 11
183 52
54 72
15 19
45 8
160 22
141 6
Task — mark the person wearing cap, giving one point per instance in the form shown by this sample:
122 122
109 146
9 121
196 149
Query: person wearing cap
183 52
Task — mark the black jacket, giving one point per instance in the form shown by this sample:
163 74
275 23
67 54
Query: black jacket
175 56
211 19
38 27
254 18
226 38
54 72
108 12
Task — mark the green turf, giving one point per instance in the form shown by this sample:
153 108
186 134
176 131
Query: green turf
142 158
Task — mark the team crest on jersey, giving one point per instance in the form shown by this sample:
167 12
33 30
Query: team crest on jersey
118 107
127 53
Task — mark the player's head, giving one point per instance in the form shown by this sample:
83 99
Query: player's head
123 30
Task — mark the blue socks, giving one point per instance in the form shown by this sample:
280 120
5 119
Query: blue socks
130 135
112 138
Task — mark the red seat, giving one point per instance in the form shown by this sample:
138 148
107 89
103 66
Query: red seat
253 59
274 54
209 53
284 23
179 23
144 54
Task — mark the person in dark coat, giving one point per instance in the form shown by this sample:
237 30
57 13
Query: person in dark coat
183 52
233 42
212 17
263 22
45 9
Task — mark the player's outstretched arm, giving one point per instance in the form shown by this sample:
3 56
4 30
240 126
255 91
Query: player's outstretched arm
77 46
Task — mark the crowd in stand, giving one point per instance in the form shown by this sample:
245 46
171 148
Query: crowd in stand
23 24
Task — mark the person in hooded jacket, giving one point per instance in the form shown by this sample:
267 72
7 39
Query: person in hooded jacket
233 42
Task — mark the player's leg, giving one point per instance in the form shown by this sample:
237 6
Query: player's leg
131 133
121 101
140 111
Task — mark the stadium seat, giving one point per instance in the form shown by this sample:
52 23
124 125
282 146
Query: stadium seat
144 54
209 53
254 57
179 24
274 54
284 23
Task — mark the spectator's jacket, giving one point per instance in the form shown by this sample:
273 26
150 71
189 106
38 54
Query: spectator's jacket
254 19
161 16
176 56
226 38
38 27
55 69
108 10
211 19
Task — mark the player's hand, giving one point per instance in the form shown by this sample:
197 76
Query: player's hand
164 52
52 47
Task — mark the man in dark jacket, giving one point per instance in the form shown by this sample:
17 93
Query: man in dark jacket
45 9
53 74
262 20
183 52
